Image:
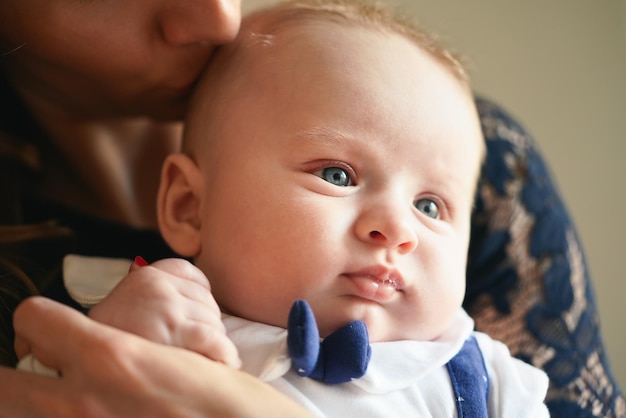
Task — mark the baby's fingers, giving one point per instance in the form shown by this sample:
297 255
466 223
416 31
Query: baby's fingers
210 342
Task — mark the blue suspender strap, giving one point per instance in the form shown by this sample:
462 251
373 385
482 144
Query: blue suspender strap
470 380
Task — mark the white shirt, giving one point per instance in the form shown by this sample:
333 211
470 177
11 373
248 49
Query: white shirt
404 378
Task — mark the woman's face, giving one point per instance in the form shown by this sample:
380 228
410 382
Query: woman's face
98 58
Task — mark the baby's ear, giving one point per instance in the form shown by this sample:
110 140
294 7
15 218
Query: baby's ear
178 204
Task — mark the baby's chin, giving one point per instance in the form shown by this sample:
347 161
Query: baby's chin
379 333
382 330
379 328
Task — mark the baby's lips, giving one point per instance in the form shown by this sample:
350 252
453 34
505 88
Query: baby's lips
374 288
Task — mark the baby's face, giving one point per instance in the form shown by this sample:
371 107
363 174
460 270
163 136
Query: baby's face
344 175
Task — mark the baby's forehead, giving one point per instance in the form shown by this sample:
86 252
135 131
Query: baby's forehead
275 31
267 50
277 49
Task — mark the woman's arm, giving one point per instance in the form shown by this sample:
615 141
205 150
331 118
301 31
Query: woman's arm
109 373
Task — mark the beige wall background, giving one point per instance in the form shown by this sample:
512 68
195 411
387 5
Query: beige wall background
559 67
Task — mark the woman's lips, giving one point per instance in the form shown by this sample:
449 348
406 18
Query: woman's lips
377 284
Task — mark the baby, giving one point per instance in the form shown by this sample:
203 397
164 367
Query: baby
331 156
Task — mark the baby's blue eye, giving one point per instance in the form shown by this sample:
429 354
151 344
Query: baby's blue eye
337 176
428 207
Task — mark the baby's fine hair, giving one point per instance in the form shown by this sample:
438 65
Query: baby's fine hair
362 13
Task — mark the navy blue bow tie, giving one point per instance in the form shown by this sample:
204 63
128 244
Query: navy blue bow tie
339 358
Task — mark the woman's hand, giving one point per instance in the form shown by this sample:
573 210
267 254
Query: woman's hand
169 302
105 372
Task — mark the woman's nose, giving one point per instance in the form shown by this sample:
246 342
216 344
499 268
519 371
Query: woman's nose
388 227
188 22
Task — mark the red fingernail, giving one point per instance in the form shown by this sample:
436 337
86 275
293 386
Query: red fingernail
140 261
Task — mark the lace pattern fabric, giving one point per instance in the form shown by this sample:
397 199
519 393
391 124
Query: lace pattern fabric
528 283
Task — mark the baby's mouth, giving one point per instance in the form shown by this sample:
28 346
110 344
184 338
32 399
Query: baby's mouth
379 288
388 282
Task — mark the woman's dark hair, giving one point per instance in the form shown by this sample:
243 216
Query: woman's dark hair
15 286
20 277
22 241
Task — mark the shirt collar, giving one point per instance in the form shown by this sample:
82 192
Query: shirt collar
394 365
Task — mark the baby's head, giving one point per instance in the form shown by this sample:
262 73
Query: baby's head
331 154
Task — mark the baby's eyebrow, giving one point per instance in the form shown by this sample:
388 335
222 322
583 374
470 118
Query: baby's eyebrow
322 134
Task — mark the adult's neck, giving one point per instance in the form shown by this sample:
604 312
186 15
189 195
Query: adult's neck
108 167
